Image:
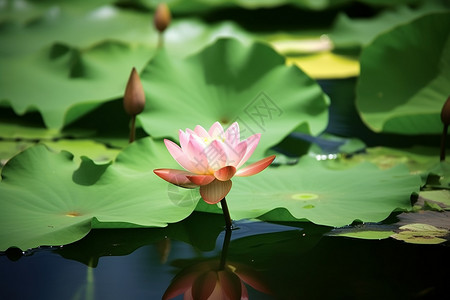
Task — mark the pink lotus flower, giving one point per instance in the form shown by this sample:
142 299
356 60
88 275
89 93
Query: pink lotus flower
211 158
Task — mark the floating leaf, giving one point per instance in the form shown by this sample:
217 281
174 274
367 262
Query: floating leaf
421 234
194 6
45 201
439 176
10 148
73 59
420 160
230 82
80 147
65 86
347 32
326 65
314 56
424 227
405 77
366 232
323 196
439 199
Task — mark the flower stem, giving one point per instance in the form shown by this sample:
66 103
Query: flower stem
444 135
226 214
160 44
132 128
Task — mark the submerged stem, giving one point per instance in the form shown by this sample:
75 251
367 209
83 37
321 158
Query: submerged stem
226 214
132 128
223 255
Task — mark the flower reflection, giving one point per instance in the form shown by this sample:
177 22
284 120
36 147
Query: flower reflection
216 279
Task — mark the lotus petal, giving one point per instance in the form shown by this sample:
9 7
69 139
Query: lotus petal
225 173
256 167
232 134
252 142
177 177
201 179
197 154
216 130
215 191
201 132
178 154
204 286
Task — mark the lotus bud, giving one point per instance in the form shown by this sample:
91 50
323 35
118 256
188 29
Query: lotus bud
445 113
134 98
162 17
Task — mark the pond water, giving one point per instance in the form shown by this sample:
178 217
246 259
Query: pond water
289 261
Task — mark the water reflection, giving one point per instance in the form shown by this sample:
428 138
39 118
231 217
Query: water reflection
216 279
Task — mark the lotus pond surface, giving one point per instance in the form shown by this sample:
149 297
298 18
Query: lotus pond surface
290 262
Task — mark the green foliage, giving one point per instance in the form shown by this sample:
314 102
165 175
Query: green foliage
47 199
348 32
309 190
229 82
404 77
64 69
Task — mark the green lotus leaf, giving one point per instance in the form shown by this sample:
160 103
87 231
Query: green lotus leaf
439 177
436 200
77 58
194 6
347 32
69 83
323 196
76 27
405 77
28 11
366 232
389 2
419 160
9 149
421 234
81 147
230 82
48 199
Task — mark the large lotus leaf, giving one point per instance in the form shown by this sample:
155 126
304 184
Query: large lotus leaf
76 27
97 152
48 199
389 2
230 82
27 11
347 32
405 77
64 83
419 160
72 59
9 149
433 200
323 196
194 6
439 176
